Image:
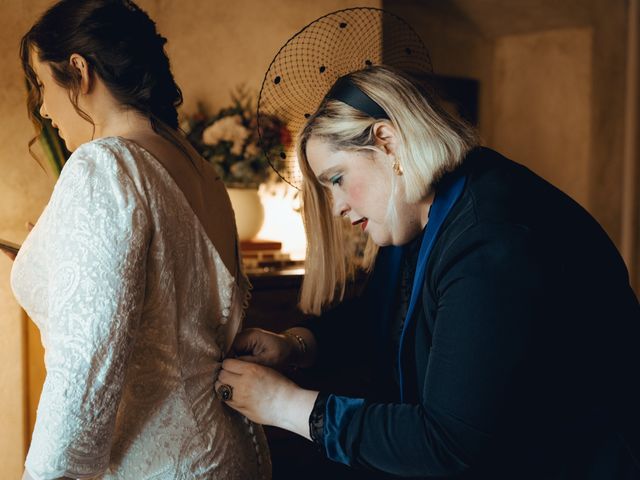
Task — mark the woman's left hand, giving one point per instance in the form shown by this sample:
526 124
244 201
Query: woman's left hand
258 392
265 396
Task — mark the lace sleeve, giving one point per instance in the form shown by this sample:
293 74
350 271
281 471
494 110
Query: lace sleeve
97 237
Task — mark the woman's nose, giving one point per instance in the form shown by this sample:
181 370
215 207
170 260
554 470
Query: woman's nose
43 112
340 208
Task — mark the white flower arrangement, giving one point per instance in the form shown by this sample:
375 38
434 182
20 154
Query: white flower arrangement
229 140
228 129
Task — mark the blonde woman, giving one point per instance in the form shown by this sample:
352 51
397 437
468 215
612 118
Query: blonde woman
498 324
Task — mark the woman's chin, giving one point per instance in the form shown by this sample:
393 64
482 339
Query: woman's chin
71 146
379 239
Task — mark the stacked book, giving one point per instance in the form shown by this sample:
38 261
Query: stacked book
259 256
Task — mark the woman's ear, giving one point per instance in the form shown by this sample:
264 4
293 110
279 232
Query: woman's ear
81 66
386 137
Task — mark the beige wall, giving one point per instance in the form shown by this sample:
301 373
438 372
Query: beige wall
213 45
235 41
542 114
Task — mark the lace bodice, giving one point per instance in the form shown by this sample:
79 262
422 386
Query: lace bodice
136 311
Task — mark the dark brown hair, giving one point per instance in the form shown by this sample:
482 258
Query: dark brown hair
121 45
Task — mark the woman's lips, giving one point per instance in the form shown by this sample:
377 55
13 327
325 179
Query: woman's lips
362 222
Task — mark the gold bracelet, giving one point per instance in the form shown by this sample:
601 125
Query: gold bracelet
299 339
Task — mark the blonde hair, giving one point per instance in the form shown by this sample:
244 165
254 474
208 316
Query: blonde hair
431 142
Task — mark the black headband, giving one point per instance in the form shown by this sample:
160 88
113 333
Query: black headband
347 92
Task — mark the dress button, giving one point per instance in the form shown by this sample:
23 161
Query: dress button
225 312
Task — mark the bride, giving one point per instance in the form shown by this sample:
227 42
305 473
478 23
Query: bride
136 224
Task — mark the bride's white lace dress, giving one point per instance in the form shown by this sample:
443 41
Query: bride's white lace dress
136 310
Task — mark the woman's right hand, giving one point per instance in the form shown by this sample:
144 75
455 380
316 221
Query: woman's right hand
265 348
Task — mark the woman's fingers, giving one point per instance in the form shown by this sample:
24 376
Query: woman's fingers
236 375
250 359
236 366
263 347
253 345
253 390
248 341
225 376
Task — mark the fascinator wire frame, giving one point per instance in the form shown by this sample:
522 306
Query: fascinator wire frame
310 63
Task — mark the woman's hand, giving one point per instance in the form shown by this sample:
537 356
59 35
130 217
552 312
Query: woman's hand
271 349
266 396
277 350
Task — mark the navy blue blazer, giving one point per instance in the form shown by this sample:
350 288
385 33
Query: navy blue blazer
522 358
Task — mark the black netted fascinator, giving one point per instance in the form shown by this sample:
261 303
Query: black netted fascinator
310 67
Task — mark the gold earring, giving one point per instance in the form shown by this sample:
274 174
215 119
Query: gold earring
397 168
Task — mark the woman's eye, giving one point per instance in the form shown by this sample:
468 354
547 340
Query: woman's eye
336 180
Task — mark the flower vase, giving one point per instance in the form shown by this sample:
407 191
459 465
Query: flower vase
248 210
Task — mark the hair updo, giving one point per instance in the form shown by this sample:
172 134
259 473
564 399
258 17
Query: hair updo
121 45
